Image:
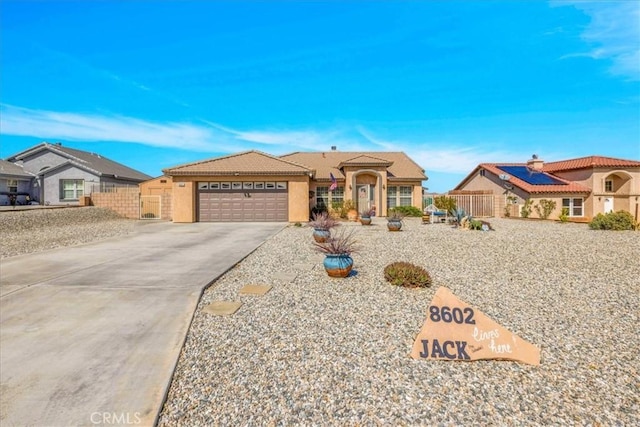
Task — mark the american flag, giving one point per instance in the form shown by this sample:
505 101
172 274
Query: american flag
334 183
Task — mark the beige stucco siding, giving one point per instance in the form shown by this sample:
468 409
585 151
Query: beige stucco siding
491 182
298 199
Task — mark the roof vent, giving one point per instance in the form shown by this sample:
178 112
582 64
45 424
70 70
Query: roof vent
59 144
334 148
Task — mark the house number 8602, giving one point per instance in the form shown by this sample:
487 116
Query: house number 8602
447 315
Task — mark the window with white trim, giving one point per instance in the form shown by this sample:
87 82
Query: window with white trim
326 198
406 193
574 205
392 197
12 185
337 195
401 195
71 189
322 197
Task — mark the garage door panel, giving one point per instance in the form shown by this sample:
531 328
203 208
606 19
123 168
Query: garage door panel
229 206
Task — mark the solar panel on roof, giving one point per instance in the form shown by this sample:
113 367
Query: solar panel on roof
531 176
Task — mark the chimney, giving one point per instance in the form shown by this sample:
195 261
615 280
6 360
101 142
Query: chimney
535 163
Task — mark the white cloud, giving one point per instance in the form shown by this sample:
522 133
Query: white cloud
434 156
446 156
205 137
86 127
280 141
614 33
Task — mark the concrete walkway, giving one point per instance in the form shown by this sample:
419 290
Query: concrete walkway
90 335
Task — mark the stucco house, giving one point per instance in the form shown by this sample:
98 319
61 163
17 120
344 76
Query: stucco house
585 186
256 186
14 182
62 175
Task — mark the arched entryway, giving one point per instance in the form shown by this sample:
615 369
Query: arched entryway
367 190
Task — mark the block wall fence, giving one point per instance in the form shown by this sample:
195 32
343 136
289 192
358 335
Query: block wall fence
126 204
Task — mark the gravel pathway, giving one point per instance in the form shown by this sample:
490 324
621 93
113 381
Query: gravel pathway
34 230
321 351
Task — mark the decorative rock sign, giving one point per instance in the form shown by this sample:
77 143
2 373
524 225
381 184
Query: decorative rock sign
454 330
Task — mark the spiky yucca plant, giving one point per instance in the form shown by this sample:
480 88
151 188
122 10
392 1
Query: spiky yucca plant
342 243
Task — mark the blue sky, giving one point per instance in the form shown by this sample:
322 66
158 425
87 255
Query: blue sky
155 84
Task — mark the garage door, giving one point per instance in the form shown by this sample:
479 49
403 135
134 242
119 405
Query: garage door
215 205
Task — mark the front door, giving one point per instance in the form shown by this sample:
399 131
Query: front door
608 205
365 197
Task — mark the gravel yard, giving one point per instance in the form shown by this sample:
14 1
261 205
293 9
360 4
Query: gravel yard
321 351
34 230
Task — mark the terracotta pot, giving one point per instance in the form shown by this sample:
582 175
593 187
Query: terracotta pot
338 265
352 215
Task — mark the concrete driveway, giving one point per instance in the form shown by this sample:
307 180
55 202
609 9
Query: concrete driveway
90 335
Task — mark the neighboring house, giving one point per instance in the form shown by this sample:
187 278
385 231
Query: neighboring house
62 175
585 186
14 183
255 186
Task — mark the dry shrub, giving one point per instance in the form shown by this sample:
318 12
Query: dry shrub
407 275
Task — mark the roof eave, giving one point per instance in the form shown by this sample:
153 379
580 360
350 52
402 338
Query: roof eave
234 174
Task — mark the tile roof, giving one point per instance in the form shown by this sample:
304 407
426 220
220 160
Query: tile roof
399 165
565 187
246 163
365 160
11 169
90 161
589 162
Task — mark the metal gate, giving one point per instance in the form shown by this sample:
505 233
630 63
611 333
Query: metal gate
150 207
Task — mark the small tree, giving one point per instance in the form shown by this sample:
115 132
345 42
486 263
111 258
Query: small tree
525 211
545 207
507 207
445 203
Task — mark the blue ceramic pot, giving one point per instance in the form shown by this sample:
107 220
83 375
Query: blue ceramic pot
394 225
365 220
338 265
320 235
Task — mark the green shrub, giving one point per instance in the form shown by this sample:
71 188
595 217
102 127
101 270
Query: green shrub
564 216
525 210
545 207
341 208
474 224
408 210
407 275
620 220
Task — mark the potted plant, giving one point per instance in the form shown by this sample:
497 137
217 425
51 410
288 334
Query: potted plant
337 250
365 216
322 224
394 220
